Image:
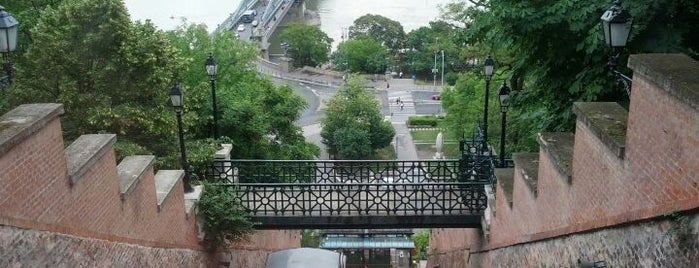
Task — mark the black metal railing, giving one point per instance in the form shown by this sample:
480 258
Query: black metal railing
315 193
341 171
362 199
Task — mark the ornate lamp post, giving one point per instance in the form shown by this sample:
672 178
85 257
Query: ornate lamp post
9 27
504 94
616 26
177 99
212 69
435 71
489 67
442 74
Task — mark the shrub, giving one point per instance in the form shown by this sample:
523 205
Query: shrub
426 120
224 219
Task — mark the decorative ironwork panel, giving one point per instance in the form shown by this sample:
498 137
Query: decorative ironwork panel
362 199
341 171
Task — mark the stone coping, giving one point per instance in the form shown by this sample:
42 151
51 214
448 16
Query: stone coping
505 178
165 182
84 152
559 147
529 164
22 122
678 74
131 171
607 120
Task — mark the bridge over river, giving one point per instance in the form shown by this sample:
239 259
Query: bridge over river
270 14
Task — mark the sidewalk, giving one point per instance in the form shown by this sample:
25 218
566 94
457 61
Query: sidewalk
405 148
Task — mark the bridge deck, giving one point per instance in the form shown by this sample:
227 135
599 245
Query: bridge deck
364 205
323 194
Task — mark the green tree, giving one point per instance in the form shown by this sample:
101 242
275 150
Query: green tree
422 242
256 116
361 55
353 127
310 239
555 53
388 32
308 45
111 75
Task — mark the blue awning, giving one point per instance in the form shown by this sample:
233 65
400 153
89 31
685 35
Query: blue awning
340 242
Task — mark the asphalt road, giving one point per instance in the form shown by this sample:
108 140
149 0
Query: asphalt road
314 96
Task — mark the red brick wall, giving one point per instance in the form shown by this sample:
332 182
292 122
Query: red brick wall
662 149
553 202
54 220
657 175
35 166
597 188
36 194
449 248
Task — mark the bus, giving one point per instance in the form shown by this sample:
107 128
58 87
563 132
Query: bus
248 16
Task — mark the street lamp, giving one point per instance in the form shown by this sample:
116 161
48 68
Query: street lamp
489 67
504 94
616 26
286 47
177 99
435 71
212 69
442 68
8 42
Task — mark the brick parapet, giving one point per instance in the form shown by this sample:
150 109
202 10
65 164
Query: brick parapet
649 170
653 243
36 190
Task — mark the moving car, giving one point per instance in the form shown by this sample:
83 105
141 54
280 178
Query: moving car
437 97
254 23
241 27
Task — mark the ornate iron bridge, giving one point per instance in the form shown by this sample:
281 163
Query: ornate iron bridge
320 194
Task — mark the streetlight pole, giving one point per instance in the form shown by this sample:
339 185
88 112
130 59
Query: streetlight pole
442 73
434 71
504 95
212 69
489 66
616 27
177 99
8 30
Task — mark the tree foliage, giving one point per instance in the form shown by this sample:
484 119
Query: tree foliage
110 74
423 50
554 53
256 116
308 45
353 127
223 218
387 31
422 242
364 55
113 76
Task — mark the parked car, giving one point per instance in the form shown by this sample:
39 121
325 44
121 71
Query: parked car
254 23
241 27
437 97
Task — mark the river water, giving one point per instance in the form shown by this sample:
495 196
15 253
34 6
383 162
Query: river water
338 14
334 14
